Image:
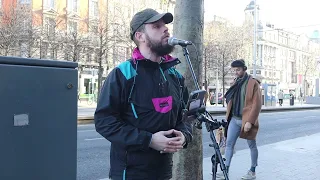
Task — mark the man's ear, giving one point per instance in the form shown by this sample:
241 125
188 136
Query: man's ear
139 36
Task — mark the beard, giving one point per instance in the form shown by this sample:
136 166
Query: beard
158 48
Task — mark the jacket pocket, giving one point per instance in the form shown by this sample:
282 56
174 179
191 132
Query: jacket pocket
163 104
119 155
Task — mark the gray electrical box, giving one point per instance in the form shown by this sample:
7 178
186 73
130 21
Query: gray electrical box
38 119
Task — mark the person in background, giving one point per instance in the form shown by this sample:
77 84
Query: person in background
280 97
244 105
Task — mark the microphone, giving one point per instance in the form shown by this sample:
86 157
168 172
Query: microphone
174 41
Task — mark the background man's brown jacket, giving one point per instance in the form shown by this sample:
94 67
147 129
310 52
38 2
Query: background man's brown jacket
251 109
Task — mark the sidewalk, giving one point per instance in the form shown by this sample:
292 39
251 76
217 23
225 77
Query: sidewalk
295 159
85 111
84 104
219 109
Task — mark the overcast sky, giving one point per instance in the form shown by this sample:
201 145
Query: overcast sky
281 13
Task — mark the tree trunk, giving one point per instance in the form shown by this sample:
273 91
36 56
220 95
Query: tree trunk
223 90
100 73
205 75
188 25
304 85
223 79
6 52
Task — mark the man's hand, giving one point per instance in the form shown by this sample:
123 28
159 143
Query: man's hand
160 142
247 127
178 143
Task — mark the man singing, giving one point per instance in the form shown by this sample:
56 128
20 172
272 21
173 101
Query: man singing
140 105
244 105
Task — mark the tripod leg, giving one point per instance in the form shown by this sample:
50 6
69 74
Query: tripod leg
214 166
219 156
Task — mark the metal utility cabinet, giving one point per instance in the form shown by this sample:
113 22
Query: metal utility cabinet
38 119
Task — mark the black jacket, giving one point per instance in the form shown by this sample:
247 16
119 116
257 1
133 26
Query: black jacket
139 98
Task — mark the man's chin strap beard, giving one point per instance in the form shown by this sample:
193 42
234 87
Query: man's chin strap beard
164 50
159 49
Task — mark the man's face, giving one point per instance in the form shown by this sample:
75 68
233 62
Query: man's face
238 71
156 37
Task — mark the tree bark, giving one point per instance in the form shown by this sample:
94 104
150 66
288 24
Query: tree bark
188 25
100 68
223 78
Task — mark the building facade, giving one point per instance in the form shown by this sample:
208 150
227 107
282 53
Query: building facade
94 33
284 59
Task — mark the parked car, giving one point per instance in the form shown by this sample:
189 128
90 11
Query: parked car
213 98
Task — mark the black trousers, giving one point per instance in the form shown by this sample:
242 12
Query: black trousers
280 101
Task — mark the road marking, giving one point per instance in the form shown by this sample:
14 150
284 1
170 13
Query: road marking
307 117
92 130
105 179
86 125
284 119
93 139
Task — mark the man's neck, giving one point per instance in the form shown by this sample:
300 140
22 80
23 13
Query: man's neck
242 76
146 52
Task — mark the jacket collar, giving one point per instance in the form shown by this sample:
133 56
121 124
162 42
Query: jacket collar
168 61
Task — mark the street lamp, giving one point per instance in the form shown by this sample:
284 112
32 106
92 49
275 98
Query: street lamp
255 40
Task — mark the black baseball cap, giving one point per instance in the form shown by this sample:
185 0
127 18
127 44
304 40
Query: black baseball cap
147 16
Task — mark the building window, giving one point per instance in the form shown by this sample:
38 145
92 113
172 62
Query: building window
50 24
24 1
49 4
73 5
94 29
26 26
292 54
44 50
94 9
24 49
72 26
89 55
119 54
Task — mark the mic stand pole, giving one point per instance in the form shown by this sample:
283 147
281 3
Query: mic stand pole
186 54
211 126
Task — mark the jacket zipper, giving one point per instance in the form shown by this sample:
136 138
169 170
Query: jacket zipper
125 168
164 77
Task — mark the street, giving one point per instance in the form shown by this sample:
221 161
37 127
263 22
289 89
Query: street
86 111
93 150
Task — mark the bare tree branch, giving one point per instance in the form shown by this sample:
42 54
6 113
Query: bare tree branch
223 44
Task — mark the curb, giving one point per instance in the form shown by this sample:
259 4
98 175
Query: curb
89 119
268 110
85 119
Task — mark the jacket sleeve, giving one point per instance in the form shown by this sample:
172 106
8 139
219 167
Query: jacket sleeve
257 104
107 116
184 126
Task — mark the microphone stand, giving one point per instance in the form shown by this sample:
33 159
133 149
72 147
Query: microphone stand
211 125
186 54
